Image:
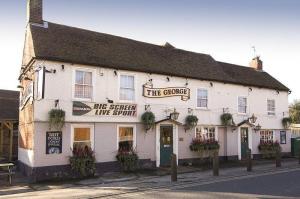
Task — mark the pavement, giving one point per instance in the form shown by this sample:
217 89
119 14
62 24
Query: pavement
113 185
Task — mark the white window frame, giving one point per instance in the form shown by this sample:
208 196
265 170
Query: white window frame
247 107
280 137
207 126
92 135
93 71
134 134
199 107
271 113
119 87
273 135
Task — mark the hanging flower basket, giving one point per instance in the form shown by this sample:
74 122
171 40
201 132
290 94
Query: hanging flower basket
148 119
56 118
226 119
191 122
286 122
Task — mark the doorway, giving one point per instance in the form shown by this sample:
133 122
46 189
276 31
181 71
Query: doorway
166 144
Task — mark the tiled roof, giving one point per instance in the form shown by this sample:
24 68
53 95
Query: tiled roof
79 46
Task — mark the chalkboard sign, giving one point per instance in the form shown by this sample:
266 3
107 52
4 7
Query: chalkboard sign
53 142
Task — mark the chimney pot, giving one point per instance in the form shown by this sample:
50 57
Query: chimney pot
256 63
35 11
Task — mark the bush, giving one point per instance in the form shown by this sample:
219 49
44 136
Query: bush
128 160
83 161
269 149
201 145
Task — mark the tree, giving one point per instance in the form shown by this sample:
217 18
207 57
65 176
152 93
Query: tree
295 112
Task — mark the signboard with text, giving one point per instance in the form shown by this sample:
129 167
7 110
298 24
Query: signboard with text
53 142
104 109
151 92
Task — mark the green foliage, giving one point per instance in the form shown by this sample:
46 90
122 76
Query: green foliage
148 119
226 119
204 145
191 121
269 149
286 122
56 118
128 160
83 162
295 112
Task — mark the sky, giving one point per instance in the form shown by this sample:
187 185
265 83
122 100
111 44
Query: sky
225 29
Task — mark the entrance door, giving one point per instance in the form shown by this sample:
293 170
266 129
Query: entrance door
166 145
244 142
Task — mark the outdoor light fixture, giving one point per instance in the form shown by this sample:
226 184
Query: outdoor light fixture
63 67
168 79
211 84
252 119
109 101
257 128
115 72
250 89
174 115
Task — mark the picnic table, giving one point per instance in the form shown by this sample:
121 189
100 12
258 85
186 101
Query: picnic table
6 170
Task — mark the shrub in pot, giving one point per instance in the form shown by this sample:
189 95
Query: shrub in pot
128 160
83 161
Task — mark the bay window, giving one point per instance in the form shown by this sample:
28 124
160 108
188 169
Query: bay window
127 89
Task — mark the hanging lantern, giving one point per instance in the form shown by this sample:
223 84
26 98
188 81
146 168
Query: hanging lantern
252 119
174 115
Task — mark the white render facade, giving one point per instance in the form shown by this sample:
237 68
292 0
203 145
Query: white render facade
106 85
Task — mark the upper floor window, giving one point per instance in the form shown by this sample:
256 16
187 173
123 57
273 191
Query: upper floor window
205 133
266 136
242 105
202 98
127 90
271 107
83 84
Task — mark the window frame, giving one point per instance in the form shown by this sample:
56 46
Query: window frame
134 134
92 133
273 135
200 107
134 84
93 71
274 112
207 126
242 113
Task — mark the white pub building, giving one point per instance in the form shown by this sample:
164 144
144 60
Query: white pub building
104 83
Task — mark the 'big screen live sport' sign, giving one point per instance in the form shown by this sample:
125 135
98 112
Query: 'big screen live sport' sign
104 109
151 92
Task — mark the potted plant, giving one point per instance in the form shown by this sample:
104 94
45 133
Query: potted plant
190 122
128 160
56 118
286 122
82 162
226 119
268 149
148 119
204 146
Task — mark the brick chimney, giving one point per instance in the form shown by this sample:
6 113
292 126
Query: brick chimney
35 11
256 63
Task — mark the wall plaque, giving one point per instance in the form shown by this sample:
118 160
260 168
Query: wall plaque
104 109
150 92
53 142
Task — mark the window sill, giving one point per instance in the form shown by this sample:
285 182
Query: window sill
82 99
127 102
202 109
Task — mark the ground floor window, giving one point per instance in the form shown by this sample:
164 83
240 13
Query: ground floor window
282 137
206 133
266 136
82 135
126 138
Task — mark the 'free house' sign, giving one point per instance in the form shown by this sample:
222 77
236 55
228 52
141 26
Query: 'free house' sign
104 109
166 92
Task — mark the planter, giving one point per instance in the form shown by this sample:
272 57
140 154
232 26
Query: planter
204 147
269 149
56 118
191 122
148 119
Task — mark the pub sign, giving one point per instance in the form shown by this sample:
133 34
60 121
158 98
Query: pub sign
53 142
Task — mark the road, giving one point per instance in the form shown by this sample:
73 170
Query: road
281 185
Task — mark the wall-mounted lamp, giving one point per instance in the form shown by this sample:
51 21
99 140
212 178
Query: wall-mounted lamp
250 89
211 84
257 128
174 115
116 73
50 71
63 67
252 119
109 101
168 79
277 92
289 92
147 107
56 103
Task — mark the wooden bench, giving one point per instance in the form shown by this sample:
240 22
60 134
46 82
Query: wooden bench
6 170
